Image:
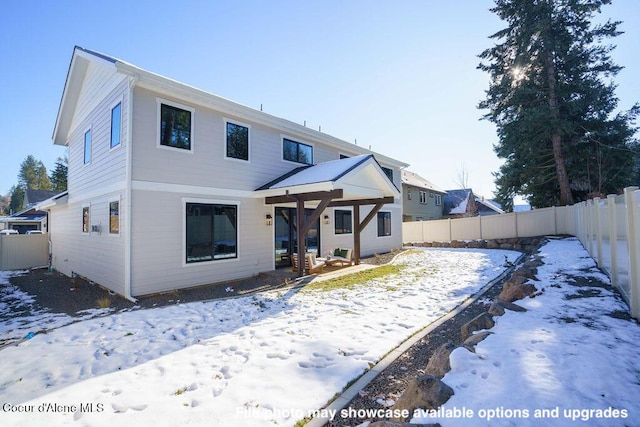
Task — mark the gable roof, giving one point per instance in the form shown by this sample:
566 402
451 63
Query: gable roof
415 180
359 177
488 205
456 201
82 57
32 197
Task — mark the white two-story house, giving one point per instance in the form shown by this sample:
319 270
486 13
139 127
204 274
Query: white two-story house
170 186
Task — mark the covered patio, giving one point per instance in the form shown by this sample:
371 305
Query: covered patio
349 182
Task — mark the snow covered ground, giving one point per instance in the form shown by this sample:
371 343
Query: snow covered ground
260 360
20 316
566 361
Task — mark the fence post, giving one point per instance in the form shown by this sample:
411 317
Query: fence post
613 239
555 221
596 210
450 233
634 255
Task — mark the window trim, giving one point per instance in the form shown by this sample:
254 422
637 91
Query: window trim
224 147
378 225
385 169
159 103
183 253
109 215
88 130
283 138
438 199
423 197
335 222
119 144
88 208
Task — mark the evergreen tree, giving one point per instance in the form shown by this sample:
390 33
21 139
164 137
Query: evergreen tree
17 199
552 99
58 176
33 175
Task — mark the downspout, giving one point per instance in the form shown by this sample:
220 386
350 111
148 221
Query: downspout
129 178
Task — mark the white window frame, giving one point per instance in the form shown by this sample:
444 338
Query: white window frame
438 199
114 105
117 199
423 197
159 102
183 252
390 225
88 207
334 221
88 130
294 139
224 138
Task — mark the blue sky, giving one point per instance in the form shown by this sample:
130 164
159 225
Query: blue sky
397 76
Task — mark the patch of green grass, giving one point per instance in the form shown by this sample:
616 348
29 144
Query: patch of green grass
352 280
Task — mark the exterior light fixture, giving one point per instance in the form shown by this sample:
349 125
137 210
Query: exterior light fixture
326 219
268 219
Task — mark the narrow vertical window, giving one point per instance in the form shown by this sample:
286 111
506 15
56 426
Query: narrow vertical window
87 146
114 217
116 125
85 219
384 224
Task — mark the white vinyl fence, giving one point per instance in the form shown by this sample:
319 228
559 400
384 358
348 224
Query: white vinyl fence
609 230
22 251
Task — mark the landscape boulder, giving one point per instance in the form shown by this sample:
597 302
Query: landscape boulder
514 291
480 322
439 364
474 339
426 392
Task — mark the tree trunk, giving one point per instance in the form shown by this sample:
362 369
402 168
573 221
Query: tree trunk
556 141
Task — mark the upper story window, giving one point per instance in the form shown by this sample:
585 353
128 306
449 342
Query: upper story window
87 147
408 193
343 221
176 126
116 125
388 172
237 137
438 199
423 197
297 152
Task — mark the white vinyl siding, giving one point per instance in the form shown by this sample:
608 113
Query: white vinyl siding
209 131
163 268
97 255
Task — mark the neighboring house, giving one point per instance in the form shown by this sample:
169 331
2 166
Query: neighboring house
459 204
421 200
29 218
488 207
172 187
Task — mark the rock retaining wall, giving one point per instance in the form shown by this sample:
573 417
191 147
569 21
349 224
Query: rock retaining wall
524 244
429 391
